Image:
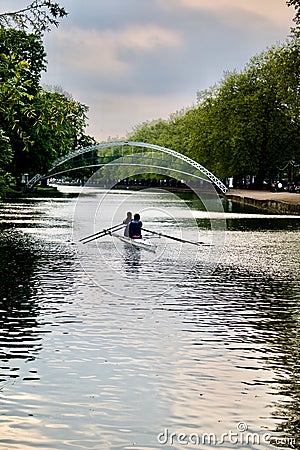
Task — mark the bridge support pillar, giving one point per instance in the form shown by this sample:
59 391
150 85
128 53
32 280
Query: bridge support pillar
44 182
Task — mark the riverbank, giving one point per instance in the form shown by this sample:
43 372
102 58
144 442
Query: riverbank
38 191
279 202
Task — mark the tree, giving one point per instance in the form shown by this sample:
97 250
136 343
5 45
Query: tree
5 160
41 124
296 5
14 93
56 123
248 124
38 16
26 48
278 71
22 58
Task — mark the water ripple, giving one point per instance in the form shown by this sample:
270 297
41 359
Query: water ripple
82 368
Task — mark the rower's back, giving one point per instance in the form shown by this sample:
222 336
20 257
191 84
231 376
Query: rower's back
135 227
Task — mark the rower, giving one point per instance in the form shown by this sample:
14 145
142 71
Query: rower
135 227
127 222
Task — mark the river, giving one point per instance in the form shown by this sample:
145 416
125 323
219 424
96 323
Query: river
109 347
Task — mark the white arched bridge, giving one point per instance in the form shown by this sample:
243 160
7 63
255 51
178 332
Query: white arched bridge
129 153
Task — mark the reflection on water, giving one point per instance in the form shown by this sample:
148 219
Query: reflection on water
20 337
84 368
132 260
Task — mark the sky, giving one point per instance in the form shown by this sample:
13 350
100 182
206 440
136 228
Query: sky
133 61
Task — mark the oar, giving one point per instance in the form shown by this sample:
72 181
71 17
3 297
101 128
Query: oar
175 238
101 233
107 232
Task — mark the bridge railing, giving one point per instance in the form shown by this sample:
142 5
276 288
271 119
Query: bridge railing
33 181
210 176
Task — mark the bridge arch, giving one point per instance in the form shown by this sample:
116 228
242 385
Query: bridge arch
54 169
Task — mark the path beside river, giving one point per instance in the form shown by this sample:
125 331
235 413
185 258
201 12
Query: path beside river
283 202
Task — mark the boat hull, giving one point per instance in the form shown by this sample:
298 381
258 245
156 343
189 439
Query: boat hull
146 244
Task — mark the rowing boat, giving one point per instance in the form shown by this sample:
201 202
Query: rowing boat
139 243
146 244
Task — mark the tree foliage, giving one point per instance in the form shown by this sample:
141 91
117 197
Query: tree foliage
56 123
295 4
38 16
15 91
6 155
37 125
26 48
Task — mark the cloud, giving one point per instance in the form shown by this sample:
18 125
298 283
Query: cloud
112 55
135 60
115 115
261 9
111 14
149 38
89 51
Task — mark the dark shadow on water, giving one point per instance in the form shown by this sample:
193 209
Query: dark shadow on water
20 337
25 263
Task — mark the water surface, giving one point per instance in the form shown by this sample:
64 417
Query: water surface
109 347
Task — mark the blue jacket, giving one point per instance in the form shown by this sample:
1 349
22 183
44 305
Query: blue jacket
135 229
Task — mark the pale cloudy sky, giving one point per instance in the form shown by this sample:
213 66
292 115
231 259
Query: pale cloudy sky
137 60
